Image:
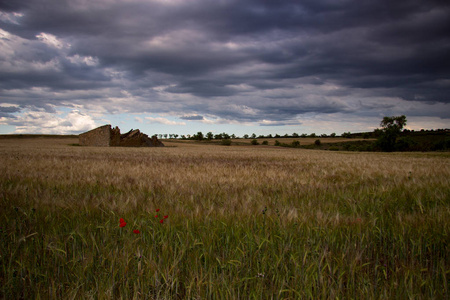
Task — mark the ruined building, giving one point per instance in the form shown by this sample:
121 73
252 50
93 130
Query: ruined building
105 136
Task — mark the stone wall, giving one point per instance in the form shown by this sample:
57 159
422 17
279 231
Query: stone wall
104 136
100 137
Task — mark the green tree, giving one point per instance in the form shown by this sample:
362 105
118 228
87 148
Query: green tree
391 128
209 135
198 136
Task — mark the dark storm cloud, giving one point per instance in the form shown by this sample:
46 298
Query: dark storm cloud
226 55
7 111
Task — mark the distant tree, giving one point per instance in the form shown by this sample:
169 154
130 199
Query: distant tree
347 135
225 135
304 135
391 128
295 135
233 136
323 135
199 136
333 134
269 136
209 135
165 135
312 135
175 135
277 135
245 136
253 136
218 136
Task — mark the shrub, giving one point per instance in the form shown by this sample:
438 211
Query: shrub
255 142
295 144
226 142
265 143
317 143
277 143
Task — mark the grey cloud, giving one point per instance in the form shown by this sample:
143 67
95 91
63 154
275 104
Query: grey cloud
192 118
222 55
9 109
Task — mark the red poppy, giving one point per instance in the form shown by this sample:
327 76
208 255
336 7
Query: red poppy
165 217
162 221
122 220
123 224
157 210
136 231
156 216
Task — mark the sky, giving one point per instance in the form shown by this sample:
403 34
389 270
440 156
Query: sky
234 66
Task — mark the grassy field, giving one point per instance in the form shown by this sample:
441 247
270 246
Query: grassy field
237 222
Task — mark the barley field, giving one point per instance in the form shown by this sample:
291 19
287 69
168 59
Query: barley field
195 221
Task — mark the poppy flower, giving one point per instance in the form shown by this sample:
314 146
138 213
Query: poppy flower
156 216
162 221
165 217
122 220
157 210
136 231
122 224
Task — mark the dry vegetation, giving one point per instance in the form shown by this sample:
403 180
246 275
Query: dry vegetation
244 222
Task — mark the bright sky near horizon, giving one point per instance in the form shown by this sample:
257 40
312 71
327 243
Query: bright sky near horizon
242 67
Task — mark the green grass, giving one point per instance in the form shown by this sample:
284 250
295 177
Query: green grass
56 254
241 225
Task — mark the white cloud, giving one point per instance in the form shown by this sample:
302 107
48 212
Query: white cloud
83 60
12 18
43 122
13 52
52 40
152 120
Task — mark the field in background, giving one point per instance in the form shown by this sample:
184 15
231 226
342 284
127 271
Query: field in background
243 222
271 141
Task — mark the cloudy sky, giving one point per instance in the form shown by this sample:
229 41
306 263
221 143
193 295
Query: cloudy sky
183 66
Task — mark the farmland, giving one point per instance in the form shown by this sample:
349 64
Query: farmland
241 222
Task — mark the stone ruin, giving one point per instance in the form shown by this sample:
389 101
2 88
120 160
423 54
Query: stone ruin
105 136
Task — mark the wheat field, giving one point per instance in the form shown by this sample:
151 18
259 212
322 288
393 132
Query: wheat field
241 222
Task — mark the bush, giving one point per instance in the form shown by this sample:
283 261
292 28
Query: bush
317 143
295 144
265 143
405 144
254 142
277 143
226 142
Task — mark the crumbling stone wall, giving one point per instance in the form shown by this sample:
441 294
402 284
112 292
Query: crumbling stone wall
100 137
106 136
